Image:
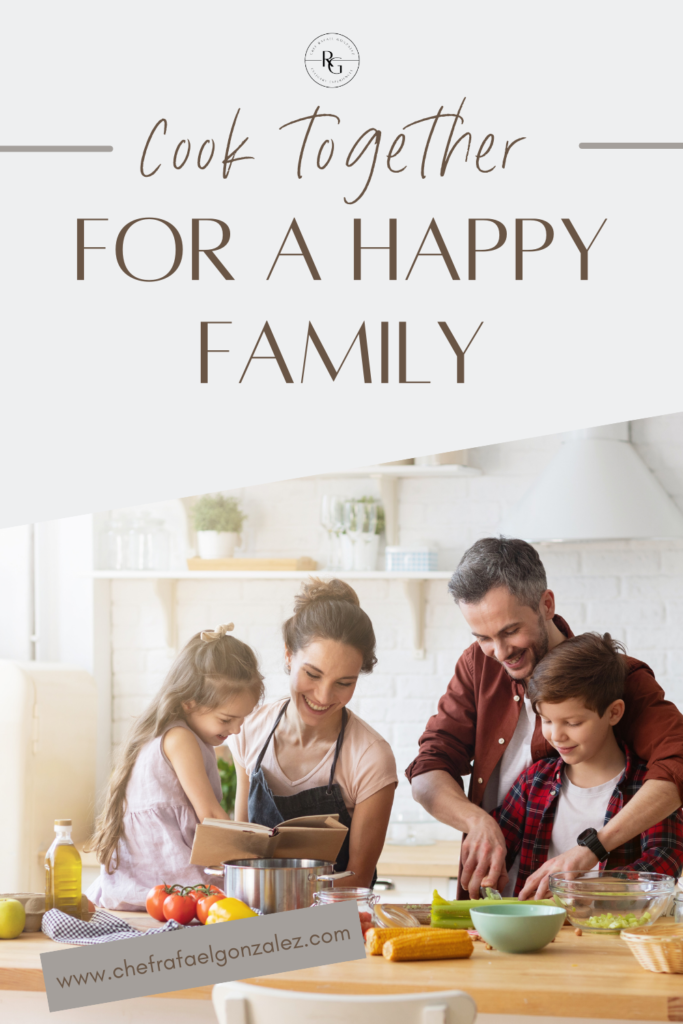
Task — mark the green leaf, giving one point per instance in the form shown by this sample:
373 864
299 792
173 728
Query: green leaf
228 777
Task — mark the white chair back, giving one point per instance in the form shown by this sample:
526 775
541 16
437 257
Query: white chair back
238 1003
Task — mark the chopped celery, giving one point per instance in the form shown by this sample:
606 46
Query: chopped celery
614 922
456 913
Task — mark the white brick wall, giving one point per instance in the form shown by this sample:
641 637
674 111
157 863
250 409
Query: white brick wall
632 589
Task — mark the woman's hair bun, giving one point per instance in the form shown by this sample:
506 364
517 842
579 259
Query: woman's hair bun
330 610
316 589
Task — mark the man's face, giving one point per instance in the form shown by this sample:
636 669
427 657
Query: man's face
509 632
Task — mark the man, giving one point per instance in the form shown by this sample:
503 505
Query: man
484 725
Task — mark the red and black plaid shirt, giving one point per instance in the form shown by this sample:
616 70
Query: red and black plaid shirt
527 815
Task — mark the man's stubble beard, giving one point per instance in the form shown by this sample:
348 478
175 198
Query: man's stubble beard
539 647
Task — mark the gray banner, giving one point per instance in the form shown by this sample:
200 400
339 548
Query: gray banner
206 955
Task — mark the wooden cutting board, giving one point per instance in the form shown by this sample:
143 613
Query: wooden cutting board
252 564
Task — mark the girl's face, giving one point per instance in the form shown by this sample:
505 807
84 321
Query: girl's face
215 725
323 677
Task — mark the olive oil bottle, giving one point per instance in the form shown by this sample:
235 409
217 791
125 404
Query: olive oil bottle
63 872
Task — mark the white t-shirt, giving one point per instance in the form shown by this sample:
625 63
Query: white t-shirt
366 763
576 810
516 758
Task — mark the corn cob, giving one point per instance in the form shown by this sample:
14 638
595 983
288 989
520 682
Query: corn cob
435 944
376 937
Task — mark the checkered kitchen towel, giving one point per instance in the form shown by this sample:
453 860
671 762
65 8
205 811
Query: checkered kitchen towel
102 927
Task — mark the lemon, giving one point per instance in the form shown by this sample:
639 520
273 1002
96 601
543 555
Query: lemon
229 909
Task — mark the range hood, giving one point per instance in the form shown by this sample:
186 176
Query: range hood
596 488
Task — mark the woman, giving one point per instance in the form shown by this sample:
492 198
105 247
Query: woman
307 753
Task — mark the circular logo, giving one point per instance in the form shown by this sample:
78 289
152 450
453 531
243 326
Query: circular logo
332 60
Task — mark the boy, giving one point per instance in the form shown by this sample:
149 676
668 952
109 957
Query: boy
577 690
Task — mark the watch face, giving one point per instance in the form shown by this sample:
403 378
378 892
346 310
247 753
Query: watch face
586 834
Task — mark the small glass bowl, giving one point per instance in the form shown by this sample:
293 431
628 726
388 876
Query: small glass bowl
607 901
365 900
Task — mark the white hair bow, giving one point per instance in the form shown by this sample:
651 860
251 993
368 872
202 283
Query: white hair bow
218 633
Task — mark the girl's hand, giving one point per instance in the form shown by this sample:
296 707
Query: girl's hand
181 747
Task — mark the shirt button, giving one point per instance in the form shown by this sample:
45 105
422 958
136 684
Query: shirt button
501 740
480 781
515 697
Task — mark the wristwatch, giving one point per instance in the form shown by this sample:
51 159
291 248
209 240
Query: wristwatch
589 839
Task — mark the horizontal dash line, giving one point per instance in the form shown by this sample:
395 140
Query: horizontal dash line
56 149
631 145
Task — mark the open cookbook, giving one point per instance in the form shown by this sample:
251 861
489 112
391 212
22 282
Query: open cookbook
316 836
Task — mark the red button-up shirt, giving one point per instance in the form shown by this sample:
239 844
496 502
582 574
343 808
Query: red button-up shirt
477 716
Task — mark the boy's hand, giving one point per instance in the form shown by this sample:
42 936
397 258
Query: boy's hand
483 857
579 858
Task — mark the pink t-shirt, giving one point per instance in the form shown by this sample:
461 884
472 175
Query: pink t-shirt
366 763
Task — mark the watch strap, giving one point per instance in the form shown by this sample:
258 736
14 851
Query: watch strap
590 840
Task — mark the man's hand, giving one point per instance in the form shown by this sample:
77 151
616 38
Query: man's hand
579 858
483 857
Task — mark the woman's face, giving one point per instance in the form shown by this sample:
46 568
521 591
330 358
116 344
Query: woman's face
323 677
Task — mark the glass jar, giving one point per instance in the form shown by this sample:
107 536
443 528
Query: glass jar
678 908
365 899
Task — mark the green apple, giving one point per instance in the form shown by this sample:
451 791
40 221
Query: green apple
12 919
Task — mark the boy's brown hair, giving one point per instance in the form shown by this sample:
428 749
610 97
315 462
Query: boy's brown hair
590 667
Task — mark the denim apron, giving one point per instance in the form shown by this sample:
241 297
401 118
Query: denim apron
269 810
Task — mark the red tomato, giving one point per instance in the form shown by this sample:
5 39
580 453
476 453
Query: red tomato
155 902
179 908
214 888
205 904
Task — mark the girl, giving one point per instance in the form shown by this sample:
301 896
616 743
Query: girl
166 780
307 753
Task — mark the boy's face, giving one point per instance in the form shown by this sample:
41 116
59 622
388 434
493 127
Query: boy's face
576 732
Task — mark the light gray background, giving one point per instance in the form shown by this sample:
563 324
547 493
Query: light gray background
102 405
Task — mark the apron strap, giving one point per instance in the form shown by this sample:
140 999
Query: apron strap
337 749
270 736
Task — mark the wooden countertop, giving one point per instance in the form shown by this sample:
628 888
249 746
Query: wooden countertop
438 860
586 976
576 976
21 970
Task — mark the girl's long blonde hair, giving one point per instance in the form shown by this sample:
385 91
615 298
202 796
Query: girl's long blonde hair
209 670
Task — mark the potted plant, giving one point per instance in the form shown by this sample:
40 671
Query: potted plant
218 521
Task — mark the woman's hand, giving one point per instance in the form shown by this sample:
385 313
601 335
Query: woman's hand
370 823
182 749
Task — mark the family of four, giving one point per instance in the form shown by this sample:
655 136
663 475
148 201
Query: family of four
575 755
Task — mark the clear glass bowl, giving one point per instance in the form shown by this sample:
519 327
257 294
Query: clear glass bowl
607 901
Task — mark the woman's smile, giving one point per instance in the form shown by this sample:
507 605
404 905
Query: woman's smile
318 708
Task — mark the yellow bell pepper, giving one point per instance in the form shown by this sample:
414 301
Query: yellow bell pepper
229 909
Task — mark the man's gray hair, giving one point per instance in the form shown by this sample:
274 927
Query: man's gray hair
499 562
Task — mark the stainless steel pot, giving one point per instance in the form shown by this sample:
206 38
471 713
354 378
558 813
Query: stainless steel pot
276 884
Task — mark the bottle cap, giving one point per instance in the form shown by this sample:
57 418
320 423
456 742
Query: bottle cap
63 821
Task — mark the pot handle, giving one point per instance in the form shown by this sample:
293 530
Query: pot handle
339 874
213 871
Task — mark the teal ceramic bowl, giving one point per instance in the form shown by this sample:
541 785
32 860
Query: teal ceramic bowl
518 929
